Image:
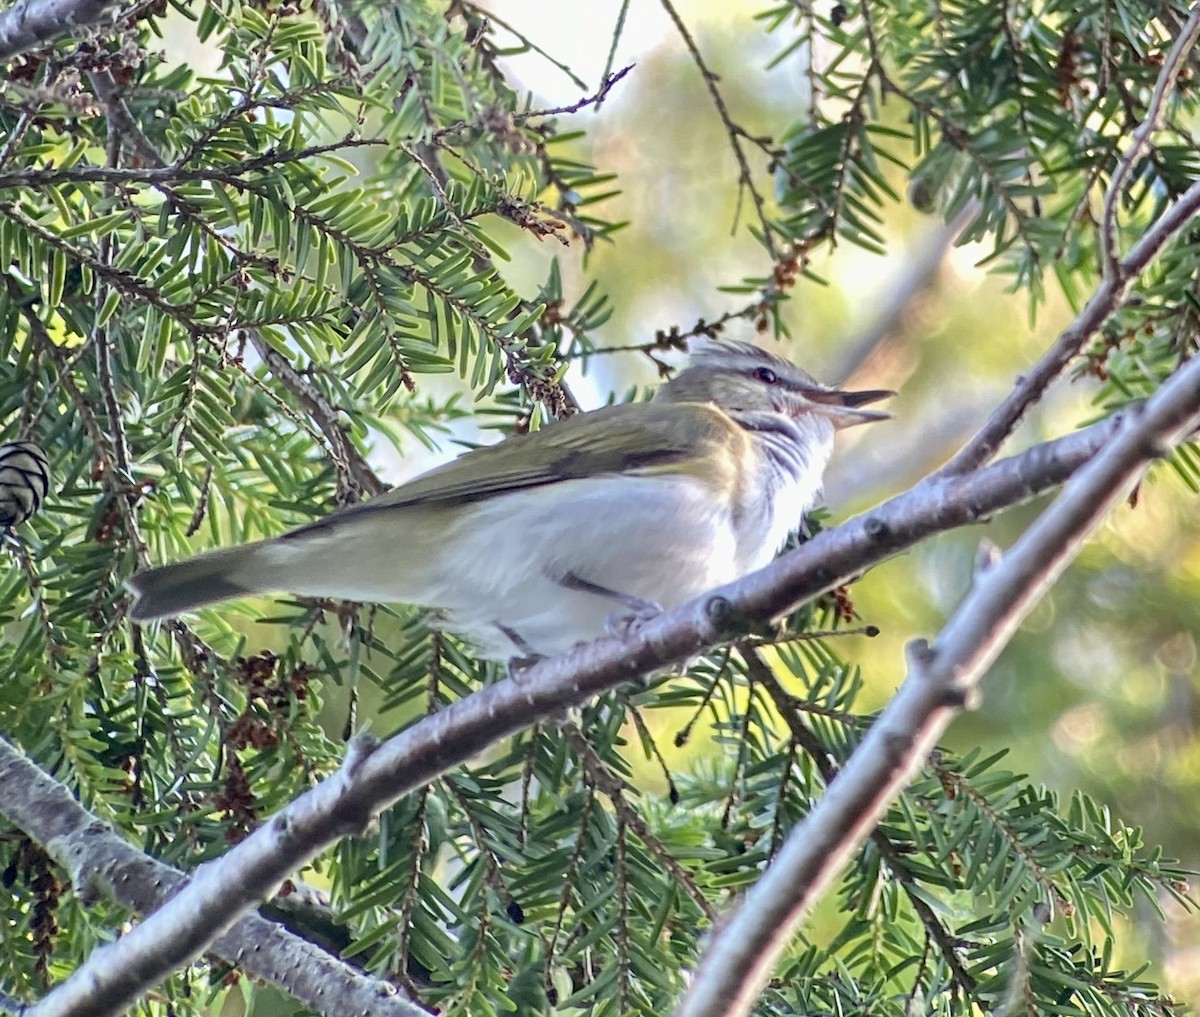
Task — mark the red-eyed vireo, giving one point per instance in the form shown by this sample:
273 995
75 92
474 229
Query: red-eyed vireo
546 539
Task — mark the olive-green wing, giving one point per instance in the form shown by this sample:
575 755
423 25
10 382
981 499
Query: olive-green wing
633 438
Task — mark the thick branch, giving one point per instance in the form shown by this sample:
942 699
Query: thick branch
374 777
941 681
100 860
827 766
28 24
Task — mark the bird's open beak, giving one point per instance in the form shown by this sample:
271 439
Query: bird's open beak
842 408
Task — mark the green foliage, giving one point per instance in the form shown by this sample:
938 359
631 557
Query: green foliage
208 347
1014 116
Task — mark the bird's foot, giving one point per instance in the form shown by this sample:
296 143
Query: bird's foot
526 658
623 623
516 667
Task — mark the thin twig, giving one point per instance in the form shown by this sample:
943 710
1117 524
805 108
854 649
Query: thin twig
650 742
621 924
827 766
613 788
126 282
595 99
119 472
674 338
493 870
178 172
964 789
618 31
353 472
437 183
569 884
121 119
410 896
1013 50
16 136
733 130
1168 78
489 15
1105 301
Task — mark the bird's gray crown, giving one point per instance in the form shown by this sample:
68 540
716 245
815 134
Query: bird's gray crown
737 375
732 349
734 355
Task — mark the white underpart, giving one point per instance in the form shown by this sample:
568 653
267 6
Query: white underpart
498 563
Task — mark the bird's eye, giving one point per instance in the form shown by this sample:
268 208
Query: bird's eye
766 375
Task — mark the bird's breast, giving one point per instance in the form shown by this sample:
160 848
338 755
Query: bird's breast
783 484
662 539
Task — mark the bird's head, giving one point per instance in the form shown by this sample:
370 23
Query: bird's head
740 377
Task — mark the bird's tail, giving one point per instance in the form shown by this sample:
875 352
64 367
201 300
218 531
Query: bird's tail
172 589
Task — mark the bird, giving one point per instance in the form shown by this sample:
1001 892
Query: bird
584 527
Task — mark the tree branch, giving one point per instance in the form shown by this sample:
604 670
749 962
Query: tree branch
235 174
1166 85
827 766
28 24
353 470
1103 303
615 790
121 121
101 860
942 680
1118 274
733 131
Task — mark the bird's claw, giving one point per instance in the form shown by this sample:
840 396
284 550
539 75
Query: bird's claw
622 623
516 667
